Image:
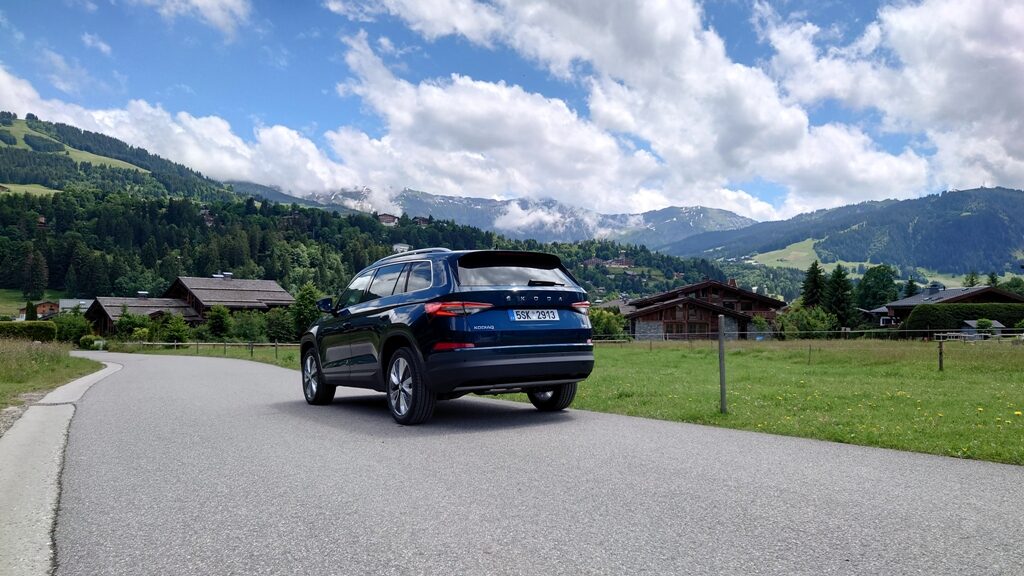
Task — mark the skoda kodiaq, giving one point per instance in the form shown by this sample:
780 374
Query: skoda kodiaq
433 324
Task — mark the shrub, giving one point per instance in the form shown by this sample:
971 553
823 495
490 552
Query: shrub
799 322
952 316
984 326
87 342
42 330
128 323
71 326
280 325
607 323
140 335
7 138
218 321
249 326
175 329
1019 325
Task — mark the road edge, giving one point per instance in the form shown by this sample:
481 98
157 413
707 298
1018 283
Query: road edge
31 463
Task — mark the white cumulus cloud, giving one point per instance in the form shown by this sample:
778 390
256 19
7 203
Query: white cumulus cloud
225 15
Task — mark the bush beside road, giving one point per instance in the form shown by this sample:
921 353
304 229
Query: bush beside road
30 367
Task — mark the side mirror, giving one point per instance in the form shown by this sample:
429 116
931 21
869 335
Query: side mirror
325 305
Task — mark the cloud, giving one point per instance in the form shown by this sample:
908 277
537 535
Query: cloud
17 35
659 80
948 70
67 76
94 41
461 136
225 15
275 155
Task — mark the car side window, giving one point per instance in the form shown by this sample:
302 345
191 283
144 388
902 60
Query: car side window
419 277
384 282
354 293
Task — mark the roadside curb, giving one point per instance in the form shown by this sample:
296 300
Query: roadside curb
31 460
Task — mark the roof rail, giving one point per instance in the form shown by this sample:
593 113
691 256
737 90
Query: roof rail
409 253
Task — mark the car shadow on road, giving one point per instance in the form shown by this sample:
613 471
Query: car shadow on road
369 414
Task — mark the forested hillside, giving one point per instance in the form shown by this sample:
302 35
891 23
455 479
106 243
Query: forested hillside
89 241
954 232
45 161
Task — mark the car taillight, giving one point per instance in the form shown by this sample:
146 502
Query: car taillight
456 308
442 346
582 307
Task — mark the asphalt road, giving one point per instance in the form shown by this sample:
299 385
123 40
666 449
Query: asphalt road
180 465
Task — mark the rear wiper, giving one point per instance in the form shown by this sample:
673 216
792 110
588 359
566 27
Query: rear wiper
544 283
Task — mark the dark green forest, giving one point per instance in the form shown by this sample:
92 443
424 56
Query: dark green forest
90 242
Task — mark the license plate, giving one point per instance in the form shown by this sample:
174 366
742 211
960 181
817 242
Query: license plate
533 315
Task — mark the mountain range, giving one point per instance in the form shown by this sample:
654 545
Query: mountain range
952 233
544 220
955 232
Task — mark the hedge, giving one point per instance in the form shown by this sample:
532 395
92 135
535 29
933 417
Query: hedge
42 330
952 316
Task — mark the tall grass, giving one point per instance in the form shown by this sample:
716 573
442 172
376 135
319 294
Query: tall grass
29 367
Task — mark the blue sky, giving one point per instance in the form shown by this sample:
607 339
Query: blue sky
765 108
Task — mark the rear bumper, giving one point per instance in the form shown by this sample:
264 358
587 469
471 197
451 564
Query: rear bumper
508 367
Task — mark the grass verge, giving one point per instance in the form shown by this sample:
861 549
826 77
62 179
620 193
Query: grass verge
30 367
874 393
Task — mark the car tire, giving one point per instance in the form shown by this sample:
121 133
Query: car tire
555 399
316 390
409 399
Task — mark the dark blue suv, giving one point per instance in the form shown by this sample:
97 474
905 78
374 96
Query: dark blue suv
433 324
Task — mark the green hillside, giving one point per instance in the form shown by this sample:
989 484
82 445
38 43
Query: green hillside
950 233
19 128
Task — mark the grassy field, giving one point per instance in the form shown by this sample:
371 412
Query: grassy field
28 367
20 128
30 188
11 300
800 255
873 393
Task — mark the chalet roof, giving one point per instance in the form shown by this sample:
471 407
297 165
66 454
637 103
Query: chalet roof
974 324
675 292
114 306
234 292
692 302
950 295
69 303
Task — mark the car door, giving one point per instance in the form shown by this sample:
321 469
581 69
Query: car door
369 321
336 333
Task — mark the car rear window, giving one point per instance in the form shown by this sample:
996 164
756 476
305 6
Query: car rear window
511 269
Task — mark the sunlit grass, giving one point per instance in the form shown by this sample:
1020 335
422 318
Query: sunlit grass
29 367
874 393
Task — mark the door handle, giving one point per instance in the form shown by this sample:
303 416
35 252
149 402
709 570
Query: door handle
346 326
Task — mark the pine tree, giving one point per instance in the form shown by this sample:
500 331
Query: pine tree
30 311
993 280
911 289
877 287
971 279
71 282
34 274
814 285
838 297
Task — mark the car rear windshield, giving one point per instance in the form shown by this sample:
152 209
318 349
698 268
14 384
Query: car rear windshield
492 268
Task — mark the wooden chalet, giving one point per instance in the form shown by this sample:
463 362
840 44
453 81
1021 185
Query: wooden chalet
44 310
105 311
692 311
387 219
934 293
201 294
